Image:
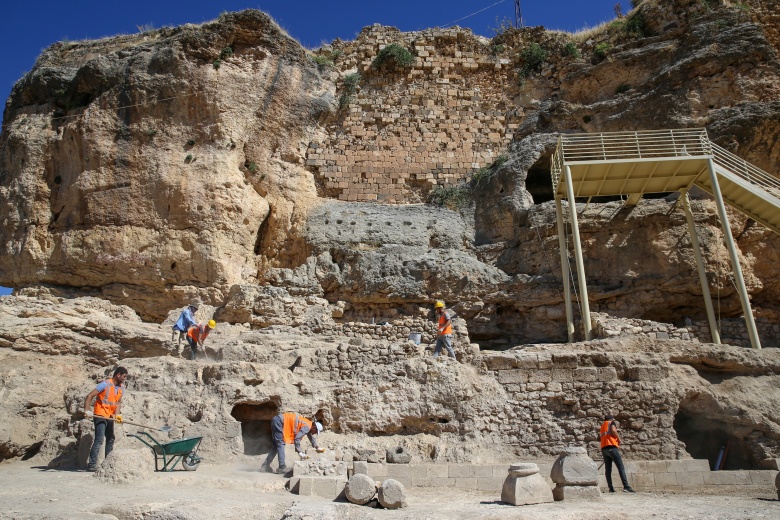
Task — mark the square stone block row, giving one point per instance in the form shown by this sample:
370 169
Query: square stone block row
327 487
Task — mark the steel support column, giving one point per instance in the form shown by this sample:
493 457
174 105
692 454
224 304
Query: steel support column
565 269
755 342
705 290
575 231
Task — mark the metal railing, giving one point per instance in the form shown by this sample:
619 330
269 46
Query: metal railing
613 146
744 170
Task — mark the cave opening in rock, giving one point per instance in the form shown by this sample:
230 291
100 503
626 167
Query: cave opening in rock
255 419
538 182
704 438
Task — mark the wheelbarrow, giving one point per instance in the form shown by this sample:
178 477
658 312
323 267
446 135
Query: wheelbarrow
170 453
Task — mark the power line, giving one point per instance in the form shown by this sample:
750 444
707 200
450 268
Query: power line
472 14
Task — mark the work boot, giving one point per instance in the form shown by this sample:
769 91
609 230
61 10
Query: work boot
266 468
282 470
92 468
611 490
628 490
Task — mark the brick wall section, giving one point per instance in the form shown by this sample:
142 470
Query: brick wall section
406 130
732 330
659 475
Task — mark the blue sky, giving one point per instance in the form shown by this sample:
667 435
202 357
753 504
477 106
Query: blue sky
29 28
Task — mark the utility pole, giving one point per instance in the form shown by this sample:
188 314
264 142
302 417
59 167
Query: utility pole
518 15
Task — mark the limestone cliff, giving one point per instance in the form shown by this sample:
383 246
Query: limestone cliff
198 161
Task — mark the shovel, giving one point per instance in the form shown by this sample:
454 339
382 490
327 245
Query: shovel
165 428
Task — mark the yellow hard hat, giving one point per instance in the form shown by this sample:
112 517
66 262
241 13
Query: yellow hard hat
439 304
212 324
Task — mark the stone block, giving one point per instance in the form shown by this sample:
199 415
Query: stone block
360 489
573 467
638 480
392 494
464 483
697 465
527 360
574 493
432 482
376 470
721 478
360 467
676 466
656 466
585 374
483 471
540 376
763 477
398 455
513 376
327 487
437 470
400 470
500 470
490 484
664 480
500 361
460 470
321 468
691 479
522 487
606 374
564 360
562 375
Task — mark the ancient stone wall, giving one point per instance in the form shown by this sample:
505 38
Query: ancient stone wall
733 331
430 124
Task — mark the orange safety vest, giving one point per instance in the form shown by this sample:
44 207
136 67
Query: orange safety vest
442 320
198 332
108 400
292 425
607 438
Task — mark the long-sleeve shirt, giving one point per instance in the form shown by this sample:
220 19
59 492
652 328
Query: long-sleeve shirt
185 321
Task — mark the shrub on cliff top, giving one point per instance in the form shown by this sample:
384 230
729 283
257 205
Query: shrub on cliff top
533 58
393 53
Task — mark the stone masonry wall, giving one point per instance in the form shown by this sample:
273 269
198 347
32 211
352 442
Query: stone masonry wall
732 330
430 124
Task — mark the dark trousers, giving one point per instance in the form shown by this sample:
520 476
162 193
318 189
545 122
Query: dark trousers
193 346
104 429
612 454
277 438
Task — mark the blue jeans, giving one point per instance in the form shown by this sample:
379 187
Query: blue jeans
611 454
104 429
444 340
277 438
193 346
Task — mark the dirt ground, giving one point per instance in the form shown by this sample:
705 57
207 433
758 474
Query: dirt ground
239 491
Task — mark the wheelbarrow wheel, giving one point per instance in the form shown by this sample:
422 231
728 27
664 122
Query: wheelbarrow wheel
190 463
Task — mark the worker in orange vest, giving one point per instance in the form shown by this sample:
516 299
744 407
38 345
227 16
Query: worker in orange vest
610 442
197 334
289 428
443 329
105 413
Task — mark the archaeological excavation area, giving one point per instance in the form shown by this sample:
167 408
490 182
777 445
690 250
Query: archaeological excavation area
601 225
